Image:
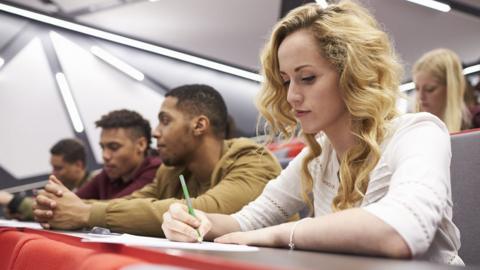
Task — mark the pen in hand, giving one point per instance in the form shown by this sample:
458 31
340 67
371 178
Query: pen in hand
189 203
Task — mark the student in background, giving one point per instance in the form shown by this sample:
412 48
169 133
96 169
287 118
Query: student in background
377 182
472 97
68 161
125 139
440 86
222 175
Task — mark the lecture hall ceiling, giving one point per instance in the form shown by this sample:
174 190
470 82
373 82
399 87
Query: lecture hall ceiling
234 31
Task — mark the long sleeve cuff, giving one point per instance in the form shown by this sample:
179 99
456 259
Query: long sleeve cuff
25 208
405 221
14 204
97 214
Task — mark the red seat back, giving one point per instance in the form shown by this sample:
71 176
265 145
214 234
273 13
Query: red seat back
11 242
108 261
50 254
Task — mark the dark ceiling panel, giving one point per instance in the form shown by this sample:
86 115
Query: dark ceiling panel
9 27
69 6
234 31
231 31
43 6
473 3
288 5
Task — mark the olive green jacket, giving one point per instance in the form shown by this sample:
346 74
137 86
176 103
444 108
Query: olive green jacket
238 178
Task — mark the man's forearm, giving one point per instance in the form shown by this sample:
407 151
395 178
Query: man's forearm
141 216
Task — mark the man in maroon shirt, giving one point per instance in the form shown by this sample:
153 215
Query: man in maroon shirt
125 139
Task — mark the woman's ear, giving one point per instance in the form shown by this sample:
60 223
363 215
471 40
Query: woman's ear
200 125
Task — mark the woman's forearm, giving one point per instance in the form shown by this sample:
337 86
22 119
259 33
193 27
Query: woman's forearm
221 224
351 231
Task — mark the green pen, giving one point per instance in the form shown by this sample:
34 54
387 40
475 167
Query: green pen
189 203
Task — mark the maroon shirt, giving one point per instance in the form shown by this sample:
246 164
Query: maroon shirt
101 187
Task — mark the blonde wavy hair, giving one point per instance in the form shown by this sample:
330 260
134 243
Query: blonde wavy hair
445 66
369 75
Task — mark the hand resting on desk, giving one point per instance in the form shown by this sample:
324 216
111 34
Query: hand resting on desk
57 207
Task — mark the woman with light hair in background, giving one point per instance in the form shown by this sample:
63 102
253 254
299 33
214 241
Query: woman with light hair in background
364 172
440 86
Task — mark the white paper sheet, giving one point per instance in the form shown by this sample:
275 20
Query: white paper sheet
134 240
19 224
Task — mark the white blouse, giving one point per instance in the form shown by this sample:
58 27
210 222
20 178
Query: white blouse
409 189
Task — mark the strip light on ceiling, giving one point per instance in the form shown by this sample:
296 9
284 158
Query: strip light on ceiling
432 4
471 69
468 70
407 86
322 3
131 42
69 102
117 63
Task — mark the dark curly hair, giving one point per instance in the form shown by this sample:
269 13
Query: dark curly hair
72 150
139 126
197 99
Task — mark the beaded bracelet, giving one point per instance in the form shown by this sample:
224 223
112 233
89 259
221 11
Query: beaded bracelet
292 231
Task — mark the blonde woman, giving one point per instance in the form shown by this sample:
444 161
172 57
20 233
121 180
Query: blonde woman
440 86
377 183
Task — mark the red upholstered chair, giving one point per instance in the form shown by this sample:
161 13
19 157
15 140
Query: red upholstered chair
11 243
108 261
286 151
50 254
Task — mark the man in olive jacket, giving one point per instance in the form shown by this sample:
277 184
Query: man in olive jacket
222 175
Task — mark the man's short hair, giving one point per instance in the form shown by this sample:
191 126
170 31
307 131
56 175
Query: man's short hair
127 119
200 99
72 150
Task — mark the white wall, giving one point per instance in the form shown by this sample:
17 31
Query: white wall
32 115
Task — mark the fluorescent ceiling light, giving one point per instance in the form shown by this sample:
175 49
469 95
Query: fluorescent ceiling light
432 4
117 63
69 102
407 86
471 69
1 62
468 70
131 42
322 3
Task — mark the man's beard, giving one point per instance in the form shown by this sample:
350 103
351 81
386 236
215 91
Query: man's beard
174 162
